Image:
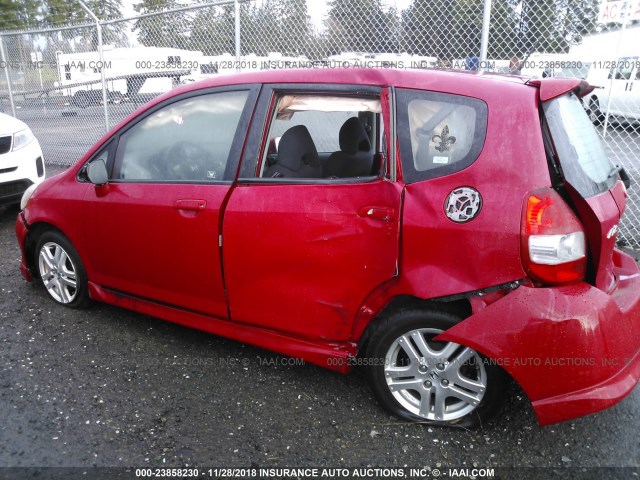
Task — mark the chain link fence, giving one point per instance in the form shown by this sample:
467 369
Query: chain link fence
70 91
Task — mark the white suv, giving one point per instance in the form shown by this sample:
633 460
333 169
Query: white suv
21 160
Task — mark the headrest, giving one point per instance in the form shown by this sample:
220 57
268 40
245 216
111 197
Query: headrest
297 149
353 137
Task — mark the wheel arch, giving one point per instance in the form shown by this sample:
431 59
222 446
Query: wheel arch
461 308
415 317
36 230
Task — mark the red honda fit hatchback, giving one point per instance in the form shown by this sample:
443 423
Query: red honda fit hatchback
446 230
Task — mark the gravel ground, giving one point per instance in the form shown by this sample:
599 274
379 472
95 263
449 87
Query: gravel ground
110 388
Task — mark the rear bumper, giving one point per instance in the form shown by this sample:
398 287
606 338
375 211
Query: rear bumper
574 349
592 399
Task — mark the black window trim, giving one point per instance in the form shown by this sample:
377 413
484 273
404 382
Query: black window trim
236 145
254 145
405 152
308 181
108 145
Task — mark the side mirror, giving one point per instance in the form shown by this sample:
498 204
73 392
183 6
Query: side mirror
97 172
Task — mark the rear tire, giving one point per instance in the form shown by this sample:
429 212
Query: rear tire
440 383
595 115
61 270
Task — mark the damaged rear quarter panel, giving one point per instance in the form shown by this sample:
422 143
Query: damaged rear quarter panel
441 257
553 341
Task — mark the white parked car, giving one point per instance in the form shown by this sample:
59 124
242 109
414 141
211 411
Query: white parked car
21 160
618 92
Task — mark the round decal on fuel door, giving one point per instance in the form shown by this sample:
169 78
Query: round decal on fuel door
463 204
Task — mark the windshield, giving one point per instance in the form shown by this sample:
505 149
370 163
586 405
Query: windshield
580 150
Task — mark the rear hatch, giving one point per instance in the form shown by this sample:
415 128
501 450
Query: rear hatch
584 176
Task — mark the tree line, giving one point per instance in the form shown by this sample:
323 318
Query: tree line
446 29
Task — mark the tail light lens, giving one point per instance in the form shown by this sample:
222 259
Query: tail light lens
554 248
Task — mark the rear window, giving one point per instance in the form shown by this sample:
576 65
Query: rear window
439 133
580 149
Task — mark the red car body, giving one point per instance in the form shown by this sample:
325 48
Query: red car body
304 269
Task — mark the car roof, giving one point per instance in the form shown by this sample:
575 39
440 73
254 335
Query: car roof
407 78
428 79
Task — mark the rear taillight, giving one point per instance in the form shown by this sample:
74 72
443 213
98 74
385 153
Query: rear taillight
554 248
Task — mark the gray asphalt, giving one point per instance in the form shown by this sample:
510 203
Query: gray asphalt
110 388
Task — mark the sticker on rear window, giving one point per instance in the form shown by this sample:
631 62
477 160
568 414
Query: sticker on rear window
443 160
444 140
463 204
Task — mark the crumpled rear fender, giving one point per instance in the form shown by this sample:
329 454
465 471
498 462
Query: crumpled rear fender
573 349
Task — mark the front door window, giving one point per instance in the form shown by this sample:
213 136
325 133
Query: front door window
189 140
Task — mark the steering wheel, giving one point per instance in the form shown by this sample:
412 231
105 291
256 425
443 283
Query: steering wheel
186 161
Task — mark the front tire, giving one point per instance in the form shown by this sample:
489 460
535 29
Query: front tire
61 270
419 379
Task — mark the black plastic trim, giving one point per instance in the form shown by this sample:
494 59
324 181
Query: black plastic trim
481 292
306 181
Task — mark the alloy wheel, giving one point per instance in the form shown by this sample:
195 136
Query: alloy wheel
440 381
58 272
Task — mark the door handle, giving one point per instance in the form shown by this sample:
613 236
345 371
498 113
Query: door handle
191 205
385 214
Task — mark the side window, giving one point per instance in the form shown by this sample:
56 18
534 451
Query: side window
188 140
438 133
323 137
